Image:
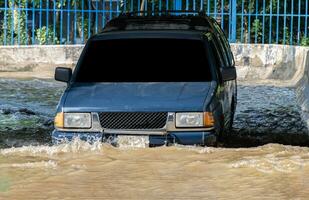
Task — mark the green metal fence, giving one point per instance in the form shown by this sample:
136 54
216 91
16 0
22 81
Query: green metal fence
29 22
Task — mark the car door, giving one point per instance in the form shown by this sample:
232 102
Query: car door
226 84
232 85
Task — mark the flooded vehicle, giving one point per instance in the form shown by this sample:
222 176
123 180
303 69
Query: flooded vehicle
160 84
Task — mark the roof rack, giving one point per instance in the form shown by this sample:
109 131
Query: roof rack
162 12
121 22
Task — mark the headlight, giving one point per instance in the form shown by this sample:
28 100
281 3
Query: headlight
77 120
73 120
189 120
194 119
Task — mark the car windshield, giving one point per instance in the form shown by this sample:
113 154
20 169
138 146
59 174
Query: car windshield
144 60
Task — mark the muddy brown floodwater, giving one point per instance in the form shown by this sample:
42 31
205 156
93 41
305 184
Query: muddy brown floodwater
82 171
31 168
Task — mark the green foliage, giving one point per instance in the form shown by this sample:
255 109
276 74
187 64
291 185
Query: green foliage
273 6
82 27
16 25
137 6
256 8
45 36
257 29
16 30
305 41
287 36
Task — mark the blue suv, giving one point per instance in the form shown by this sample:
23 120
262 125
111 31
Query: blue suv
169 79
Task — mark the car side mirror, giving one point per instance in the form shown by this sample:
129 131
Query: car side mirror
228 73
63 74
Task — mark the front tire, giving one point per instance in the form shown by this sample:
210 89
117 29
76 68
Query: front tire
232 114
227 130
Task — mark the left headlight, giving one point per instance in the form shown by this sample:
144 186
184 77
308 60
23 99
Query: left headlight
73 120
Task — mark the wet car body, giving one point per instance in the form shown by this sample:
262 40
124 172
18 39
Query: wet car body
192 107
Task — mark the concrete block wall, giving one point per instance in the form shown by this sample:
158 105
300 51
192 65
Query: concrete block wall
302 90
270 64
277 64
37 58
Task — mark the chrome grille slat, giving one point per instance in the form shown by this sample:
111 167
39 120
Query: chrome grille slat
133 120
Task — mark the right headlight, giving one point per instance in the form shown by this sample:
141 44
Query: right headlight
77 120
194 120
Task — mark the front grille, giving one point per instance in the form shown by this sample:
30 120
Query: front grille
133 120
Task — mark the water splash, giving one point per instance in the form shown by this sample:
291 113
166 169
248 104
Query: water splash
132 142
75 146
30 165
284 159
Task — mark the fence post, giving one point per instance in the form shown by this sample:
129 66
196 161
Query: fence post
233 19
178 4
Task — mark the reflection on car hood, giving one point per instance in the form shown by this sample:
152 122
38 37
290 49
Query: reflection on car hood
171 96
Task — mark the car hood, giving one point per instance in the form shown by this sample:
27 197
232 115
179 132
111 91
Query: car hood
113 97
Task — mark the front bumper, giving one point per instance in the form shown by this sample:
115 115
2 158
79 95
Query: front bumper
202 138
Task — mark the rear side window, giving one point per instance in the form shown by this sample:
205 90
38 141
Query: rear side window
217 54
144 60
218 49
222 51
225 43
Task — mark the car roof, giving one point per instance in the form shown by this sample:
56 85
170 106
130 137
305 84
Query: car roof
153 34
138 21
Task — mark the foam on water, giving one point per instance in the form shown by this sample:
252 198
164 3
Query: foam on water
131 142
41 164
75 146
285 159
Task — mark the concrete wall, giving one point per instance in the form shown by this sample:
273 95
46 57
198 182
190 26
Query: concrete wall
270 64
265 64
36 61
31 58
302 91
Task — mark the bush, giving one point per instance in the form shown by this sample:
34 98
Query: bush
45 36
305 41
15 25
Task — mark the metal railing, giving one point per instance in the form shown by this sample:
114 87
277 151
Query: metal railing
28 22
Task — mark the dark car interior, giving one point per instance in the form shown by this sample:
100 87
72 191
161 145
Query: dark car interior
144 60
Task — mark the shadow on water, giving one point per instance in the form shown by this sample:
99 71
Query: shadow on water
264 115
239 139
25 137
